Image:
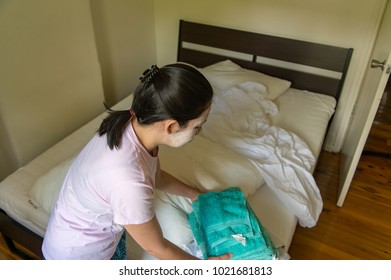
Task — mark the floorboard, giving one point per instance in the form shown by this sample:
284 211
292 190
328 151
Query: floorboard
361 228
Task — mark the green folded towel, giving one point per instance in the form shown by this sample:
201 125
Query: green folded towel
223 222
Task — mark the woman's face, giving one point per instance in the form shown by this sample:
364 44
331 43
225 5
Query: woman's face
193 128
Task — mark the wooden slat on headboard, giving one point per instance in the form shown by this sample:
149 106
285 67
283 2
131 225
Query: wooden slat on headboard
265 46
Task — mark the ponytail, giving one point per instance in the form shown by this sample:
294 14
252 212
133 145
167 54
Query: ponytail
114 125
175 91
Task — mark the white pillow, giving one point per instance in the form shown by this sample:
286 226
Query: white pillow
226 74
46 188
172 217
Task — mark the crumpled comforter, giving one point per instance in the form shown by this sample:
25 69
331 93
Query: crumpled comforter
239 120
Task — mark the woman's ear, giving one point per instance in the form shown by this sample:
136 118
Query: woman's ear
171 126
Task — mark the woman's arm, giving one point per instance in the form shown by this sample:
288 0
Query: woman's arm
168 183
149 236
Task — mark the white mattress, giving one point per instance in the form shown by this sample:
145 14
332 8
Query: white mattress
280 223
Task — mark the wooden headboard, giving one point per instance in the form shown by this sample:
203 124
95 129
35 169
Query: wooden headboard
202 45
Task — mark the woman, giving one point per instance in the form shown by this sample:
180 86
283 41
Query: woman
110 186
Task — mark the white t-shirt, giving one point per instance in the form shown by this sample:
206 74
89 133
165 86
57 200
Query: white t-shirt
103 190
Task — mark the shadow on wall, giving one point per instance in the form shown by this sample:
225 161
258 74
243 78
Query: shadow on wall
8 163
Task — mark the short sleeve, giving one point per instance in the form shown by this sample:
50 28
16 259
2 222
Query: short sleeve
132 203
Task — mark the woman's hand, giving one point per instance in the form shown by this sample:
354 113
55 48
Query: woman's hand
222 257
195 194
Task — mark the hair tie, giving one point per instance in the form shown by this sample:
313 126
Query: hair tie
131 112
149 74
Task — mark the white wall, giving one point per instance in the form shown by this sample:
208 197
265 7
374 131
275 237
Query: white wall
7 159
54 55
50 81
125 37
345 23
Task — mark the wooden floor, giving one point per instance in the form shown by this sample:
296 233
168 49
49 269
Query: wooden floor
5 254
361 229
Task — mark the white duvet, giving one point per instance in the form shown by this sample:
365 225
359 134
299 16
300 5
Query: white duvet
239 120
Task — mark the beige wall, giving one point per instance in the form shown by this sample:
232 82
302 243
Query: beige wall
50 70
7 159
50 80
345 23
125 36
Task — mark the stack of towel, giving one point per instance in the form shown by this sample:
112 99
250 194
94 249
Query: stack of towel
223 222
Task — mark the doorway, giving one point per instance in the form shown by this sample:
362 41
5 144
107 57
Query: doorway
379 139
366 106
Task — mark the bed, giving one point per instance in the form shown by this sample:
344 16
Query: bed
274 99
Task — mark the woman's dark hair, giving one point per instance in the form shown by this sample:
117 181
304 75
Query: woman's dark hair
175 91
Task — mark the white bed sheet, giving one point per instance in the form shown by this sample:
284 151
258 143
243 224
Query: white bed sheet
280 223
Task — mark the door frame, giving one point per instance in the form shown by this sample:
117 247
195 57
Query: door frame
350 155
